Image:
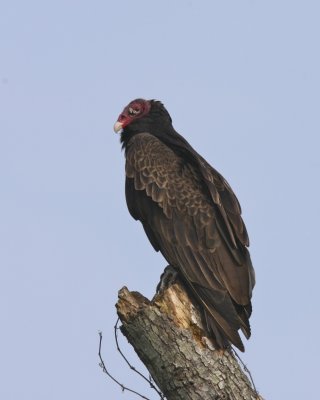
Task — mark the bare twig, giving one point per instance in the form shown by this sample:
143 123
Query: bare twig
131 366
245 368
104 369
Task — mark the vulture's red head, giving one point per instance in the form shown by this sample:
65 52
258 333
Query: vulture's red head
143 116
133 111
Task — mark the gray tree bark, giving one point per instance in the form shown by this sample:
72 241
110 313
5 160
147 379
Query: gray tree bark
168 336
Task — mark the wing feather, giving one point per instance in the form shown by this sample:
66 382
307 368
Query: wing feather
199 231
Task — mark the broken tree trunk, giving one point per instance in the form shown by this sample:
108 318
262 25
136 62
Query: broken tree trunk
168 336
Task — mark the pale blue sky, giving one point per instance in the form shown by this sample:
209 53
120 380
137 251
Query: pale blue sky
241 82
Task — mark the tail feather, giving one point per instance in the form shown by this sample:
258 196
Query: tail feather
223 317
221 336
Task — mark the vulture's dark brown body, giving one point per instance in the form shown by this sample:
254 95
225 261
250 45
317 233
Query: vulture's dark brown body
191 215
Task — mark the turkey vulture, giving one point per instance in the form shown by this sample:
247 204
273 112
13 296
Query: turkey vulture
191 215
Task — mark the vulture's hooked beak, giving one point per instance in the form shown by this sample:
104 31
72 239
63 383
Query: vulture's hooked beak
117 127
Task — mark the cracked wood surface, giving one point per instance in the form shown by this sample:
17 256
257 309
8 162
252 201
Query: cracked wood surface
168 336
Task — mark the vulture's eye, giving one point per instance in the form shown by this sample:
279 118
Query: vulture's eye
133 111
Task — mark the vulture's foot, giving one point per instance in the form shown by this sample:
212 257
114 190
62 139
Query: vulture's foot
167 278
